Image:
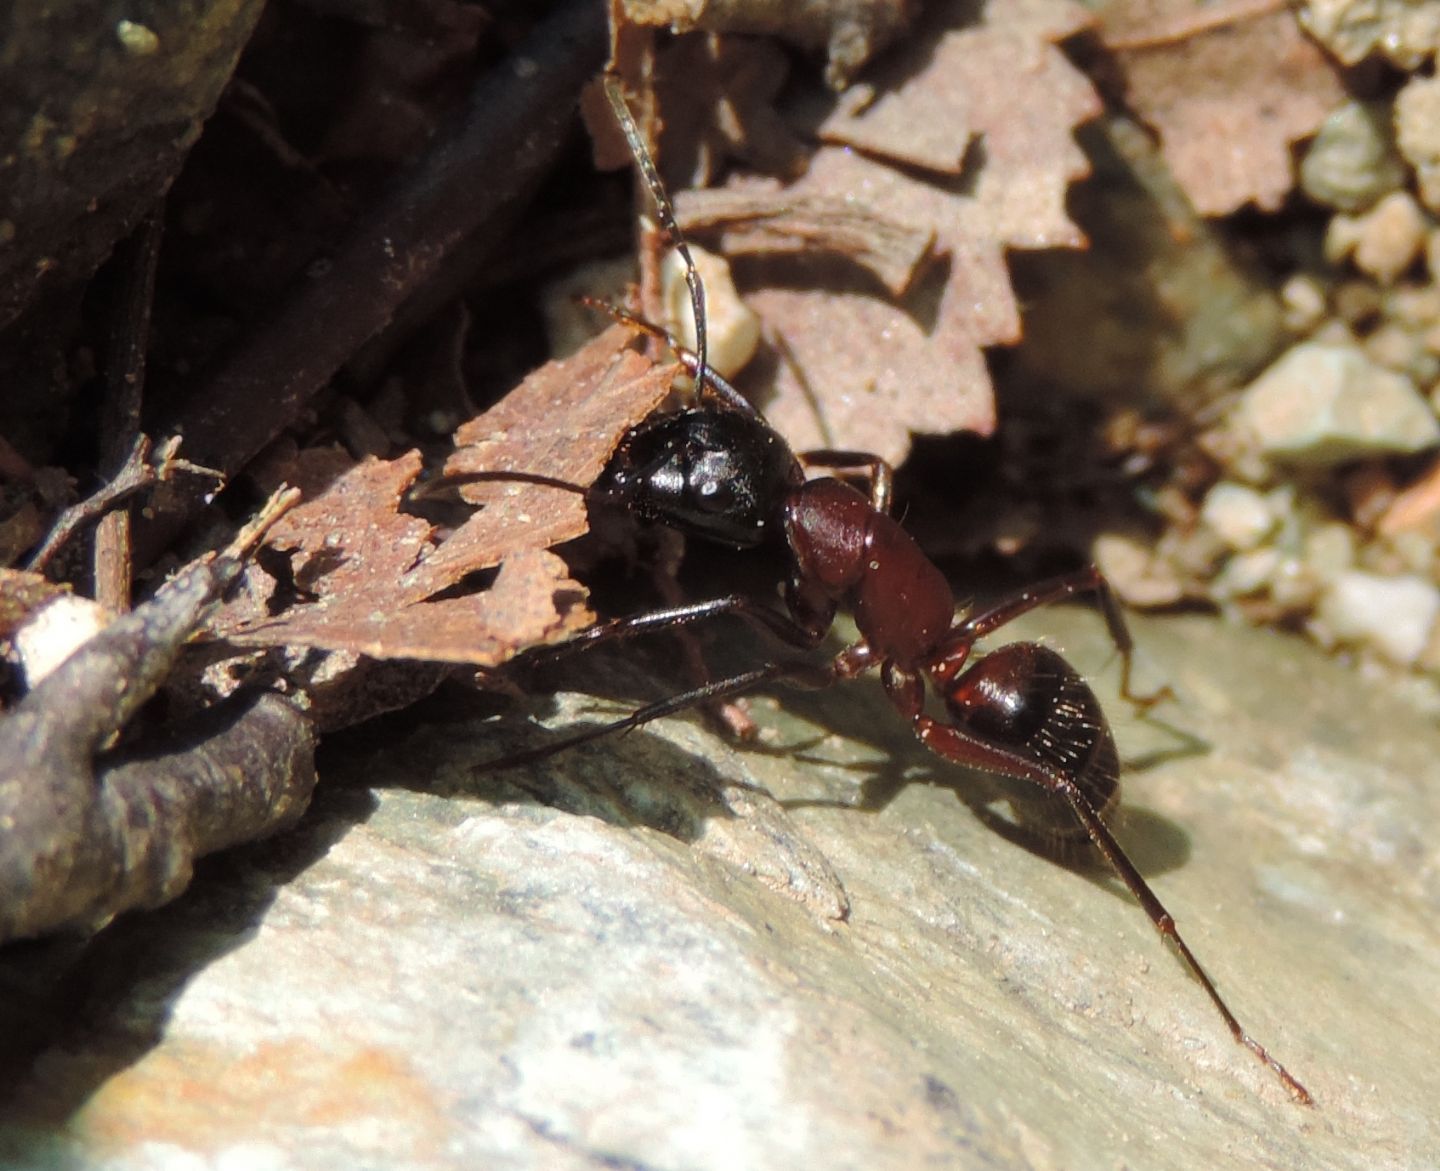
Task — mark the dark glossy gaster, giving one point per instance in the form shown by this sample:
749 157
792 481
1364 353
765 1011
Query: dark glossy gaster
717 471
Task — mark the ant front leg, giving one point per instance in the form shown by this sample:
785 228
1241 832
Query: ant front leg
1055 753
804 635
958 645
878 475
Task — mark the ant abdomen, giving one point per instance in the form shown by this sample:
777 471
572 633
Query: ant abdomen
1027 696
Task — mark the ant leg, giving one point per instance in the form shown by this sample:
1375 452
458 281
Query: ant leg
801 674
784 627
957 646
964 747
877 473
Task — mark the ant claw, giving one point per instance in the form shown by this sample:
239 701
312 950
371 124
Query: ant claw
1144 703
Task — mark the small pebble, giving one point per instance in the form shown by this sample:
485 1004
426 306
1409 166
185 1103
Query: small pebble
569 324
1417 134
1416 306
1394 615
1324 404
137 39
1353 162
1329 549
731 327
1405 32
1239 516
1302 299
1395 348
1246 574
1357 303
1414 550
1137 574
1293 587
1383 241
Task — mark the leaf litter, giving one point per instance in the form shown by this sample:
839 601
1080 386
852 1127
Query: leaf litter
964 138
1229 88
368 572
880 274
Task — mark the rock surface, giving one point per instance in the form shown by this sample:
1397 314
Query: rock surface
440 971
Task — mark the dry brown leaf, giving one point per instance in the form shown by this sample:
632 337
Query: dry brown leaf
1228 87
717 96
533 601
867 372
562 422
372 569
758 217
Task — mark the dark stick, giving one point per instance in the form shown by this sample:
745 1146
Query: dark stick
124 390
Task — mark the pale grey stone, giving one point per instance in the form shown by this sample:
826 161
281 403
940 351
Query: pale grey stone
1417 128
1239 515
1390 614
1352 161
1324 403
446 972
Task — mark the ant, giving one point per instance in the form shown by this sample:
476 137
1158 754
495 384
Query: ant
718 471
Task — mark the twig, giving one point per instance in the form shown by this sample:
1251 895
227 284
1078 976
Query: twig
124 389
138 473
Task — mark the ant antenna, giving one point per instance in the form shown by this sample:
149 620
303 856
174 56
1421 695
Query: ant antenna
666 211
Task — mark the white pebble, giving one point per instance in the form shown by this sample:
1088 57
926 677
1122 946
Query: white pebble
1302 299
54 632
1239 516
1247 574
136 38
1392 614
1417 131
732 330
1329 549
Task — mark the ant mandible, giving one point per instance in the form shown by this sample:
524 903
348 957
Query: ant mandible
718 471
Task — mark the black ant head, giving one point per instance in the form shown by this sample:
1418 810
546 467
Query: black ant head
719 474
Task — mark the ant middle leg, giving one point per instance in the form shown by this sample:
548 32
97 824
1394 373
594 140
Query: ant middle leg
958 645
877 473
